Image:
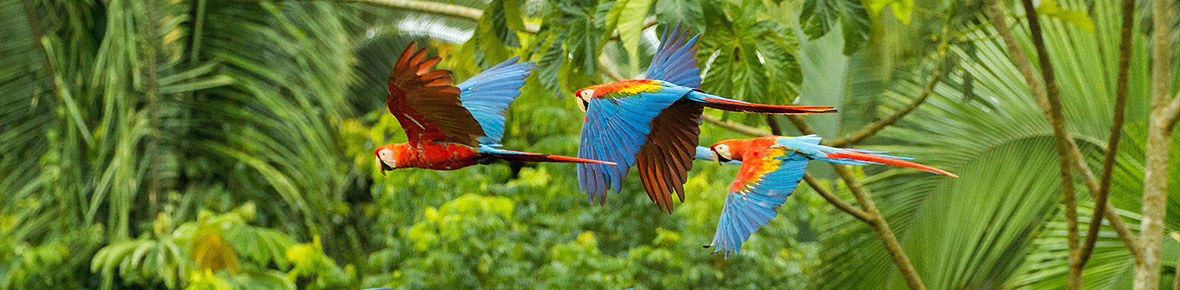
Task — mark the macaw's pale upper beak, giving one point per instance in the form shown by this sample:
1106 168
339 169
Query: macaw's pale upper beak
384 167
583 104
720 160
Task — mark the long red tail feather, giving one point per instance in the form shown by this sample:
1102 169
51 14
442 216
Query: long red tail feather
731 105
886 160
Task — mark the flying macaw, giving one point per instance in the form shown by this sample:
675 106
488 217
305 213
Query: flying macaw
653 123
771 168
453 127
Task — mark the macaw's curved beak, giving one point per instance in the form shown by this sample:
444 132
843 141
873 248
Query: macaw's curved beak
384 167
583 104
720 160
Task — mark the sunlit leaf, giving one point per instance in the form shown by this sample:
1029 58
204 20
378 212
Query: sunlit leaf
1051 9
211 251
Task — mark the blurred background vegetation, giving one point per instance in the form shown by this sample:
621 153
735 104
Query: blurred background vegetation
220 144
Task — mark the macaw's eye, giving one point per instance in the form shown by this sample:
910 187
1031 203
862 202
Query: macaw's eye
723 151
586 94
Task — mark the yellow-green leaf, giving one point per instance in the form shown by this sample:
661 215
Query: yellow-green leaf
901 8
631 26
1050 8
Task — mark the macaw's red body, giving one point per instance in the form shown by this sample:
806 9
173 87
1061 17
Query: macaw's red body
431 155
453 127
771 168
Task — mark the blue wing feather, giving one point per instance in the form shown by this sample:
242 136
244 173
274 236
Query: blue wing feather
488 94
614 131
675 60
752 207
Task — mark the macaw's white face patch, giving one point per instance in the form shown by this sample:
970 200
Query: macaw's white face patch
723 151
386 156
584 99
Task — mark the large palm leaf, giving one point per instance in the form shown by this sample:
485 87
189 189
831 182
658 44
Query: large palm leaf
978 231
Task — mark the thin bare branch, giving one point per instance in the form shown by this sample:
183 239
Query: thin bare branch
831 198
799 123
1057 121
880 226
872 129
153 108
1116 132
1173 110
740 128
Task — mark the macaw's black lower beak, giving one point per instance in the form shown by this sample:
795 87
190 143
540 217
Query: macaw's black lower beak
720 160
583 104
384 168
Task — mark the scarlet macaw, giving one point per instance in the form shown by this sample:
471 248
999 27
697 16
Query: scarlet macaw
453 127
771 168
653 123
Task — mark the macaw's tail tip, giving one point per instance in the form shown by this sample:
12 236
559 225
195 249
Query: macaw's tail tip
740 106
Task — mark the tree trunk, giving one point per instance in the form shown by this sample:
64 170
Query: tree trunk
1159 138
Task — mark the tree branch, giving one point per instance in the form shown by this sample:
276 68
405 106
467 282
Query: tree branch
153 108
996 14
872 129
1159 139
740 128
1064 161
1116 132
841 205
1173 110
880 226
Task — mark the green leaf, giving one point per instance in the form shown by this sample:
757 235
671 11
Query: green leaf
685 12
818 17
1050 8
901 8
630 26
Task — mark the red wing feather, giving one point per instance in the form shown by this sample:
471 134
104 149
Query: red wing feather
425 102
666 158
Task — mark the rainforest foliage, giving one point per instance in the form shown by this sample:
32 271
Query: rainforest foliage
227 144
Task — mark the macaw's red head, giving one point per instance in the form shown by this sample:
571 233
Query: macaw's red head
585 95
727 150
389 156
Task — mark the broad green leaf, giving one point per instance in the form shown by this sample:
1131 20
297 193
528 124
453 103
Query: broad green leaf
818 17
685 12
630 26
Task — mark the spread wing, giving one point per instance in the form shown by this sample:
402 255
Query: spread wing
615 130
664 161
666 158
488 94
763 183
675 60
425 102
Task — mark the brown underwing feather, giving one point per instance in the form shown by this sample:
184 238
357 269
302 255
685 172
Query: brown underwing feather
426 103
666 157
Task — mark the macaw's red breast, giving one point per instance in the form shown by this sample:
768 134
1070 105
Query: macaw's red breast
626 88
